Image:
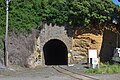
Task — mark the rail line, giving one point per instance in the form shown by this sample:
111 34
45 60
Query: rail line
73 74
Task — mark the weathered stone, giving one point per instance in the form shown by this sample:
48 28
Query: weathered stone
29 51
34 59
21 47
50 32
84 41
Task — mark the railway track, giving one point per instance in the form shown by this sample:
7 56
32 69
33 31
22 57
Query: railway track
73 74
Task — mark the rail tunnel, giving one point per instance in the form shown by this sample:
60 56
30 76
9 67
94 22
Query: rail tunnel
55 52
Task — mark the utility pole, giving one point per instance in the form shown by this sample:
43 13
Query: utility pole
6 36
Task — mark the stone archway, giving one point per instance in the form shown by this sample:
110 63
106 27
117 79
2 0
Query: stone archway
55 52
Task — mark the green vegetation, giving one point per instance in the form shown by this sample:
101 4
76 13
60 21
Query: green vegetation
27 14
105 68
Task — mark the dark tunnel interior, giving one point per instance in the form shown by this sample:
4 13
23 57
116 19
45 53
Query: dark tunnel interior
55 53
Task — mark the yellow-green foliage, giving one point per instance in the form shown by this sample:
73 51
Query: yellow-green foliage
104 69
27 14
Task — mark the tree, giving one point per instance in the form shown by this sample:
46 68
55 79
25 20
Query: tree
27 14
90 12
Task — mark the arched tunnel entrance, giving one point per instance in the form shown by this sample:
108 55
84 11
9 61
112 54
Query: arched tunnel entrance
55 52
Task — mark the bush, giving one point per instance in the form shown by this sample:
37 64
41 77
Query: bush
104 69
27 14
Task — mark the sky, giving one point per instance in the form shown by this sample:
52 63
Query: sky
116 2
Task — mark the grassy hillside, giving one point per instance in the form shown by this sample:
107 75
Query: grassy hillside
27 14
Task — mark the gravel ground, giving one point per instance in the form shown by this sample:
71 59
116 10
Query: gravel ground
81 67
107 76
37 78
48 73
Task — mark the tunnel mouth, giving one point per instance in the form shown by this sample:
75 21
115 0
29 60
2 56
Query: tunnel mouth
55 52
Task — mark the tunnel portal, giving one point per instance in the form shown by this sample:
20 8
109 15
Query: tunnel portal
55 52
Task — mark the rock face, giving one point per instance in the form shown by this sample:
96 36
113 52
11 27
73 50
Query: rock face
28 51
35 59
110 42
21 48
83 41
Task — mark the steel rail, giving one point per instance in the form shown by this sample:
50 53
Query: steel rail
79 76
